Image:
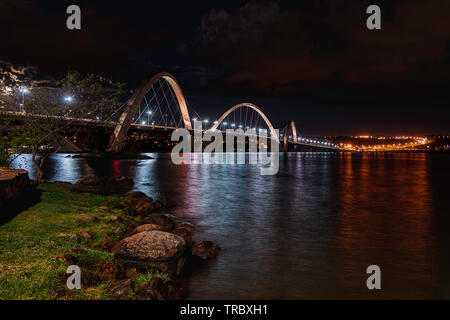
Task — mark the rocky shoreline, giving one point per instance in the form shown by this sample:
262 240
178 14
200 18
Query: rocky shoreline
154 247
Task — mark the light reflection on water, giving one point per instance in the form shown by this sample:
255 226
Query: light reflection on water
311 230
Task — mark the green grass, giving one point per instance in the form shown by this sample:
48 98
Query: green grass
143 278
31 263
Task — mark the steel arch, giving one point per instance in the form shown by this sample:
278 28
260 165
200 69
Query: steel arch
132 105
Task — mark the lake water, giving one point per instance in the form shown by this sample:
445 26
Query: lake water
308 232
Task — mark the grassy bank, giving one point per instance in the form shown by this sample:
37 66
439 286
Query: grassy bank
32 248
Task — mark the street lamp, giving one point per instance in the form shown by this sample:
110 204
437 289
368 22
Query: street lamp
23 91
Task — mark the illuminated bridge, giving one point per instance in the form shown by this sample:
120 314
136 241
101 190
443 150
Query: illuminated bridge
159 104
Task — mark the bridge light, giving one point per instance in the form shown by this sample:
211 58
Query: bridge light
194 119
149 112
206 121
68 99
215 122
240 126
24 90
224 123
143 122
232 124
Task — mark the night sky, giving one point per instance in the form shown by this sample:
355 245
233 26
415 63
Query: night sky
311 61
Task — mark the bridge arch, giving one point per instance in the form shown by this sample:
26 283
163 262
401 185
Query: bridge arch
249 105
132 105
293 130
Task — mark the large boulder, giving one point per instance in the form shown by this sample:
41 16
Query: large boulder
205 250
13 186
153 249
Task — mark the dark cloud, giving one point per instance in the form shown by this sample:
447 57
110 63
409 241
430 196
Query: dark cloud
267 47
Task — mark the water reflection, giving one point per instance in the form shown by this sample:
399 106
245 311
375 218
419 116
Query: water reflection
308 232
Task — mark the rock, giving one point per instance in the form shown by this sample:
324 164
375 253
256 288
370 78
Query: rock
163 221
154 289
103 209
185 233
84 235
106 244
69 236
115 219
148 227
13 188
118 185
139 207
121 290
136 195
90 180
153 249
85 216
205 250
